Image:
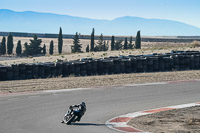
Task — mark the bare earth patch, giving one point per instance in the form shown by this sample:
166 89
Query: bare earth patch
94 81
185 120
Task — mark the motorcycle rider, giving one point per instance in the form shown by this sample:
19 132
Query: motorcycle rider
82 109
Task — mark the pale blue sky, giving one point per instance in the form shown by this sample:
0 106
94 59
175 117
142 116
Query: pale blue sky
187 11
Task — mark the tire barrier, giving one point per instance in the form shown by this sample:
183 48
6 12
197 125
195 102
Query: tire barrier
15 69
65 69
9 73
22 71
41 70
3 73
174 61
35 69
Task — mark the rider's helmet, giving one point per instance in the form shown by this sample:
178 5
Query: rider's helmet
83 104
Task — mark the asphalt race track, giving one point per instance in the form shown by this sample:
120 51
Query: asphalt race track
42 113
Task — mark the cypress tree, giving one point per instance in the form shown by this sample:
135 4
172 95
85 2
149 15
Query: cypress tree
19 48
130 45
113 43
60 41
92 41
76 47
10 44
138 41
51 48
44 49
3 46
87 48
125 44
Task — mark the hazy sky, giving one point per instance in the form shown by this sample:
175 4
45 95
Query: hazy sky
187 11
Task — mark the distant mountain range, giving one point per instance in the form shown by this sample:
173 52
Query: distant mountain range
35 22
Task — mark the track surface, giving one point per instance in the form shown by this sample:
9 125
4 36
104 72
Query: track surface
42 113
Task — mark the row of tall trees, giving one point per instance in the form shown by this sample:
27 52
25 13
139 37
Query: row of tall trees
35 48
115 45
101 45
9 45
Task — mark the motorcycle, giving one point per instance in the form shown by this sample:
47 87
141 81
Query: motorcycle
71 115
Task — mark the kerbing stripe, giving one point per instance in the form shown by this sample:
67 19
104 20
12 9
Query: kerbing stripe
120 123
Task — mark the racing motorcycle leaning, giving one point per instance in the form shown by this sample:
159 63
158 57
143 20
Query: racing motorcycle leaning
74 113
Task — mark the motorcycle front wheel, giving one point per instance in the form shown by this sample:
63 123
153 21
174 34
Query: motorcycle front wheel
70 120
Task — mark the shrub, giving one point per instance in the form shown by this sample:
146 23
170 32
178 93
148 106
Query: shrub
195 44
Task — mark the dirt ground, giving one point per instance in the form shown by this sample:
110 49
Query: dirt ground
184 120
94 81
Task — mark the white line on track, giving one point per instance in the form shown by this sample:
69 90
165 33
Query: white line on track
34 96
147 84
65 90
11 99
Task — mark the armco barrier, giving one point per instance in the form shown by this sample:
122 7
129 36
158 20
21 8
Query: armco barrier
174 61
